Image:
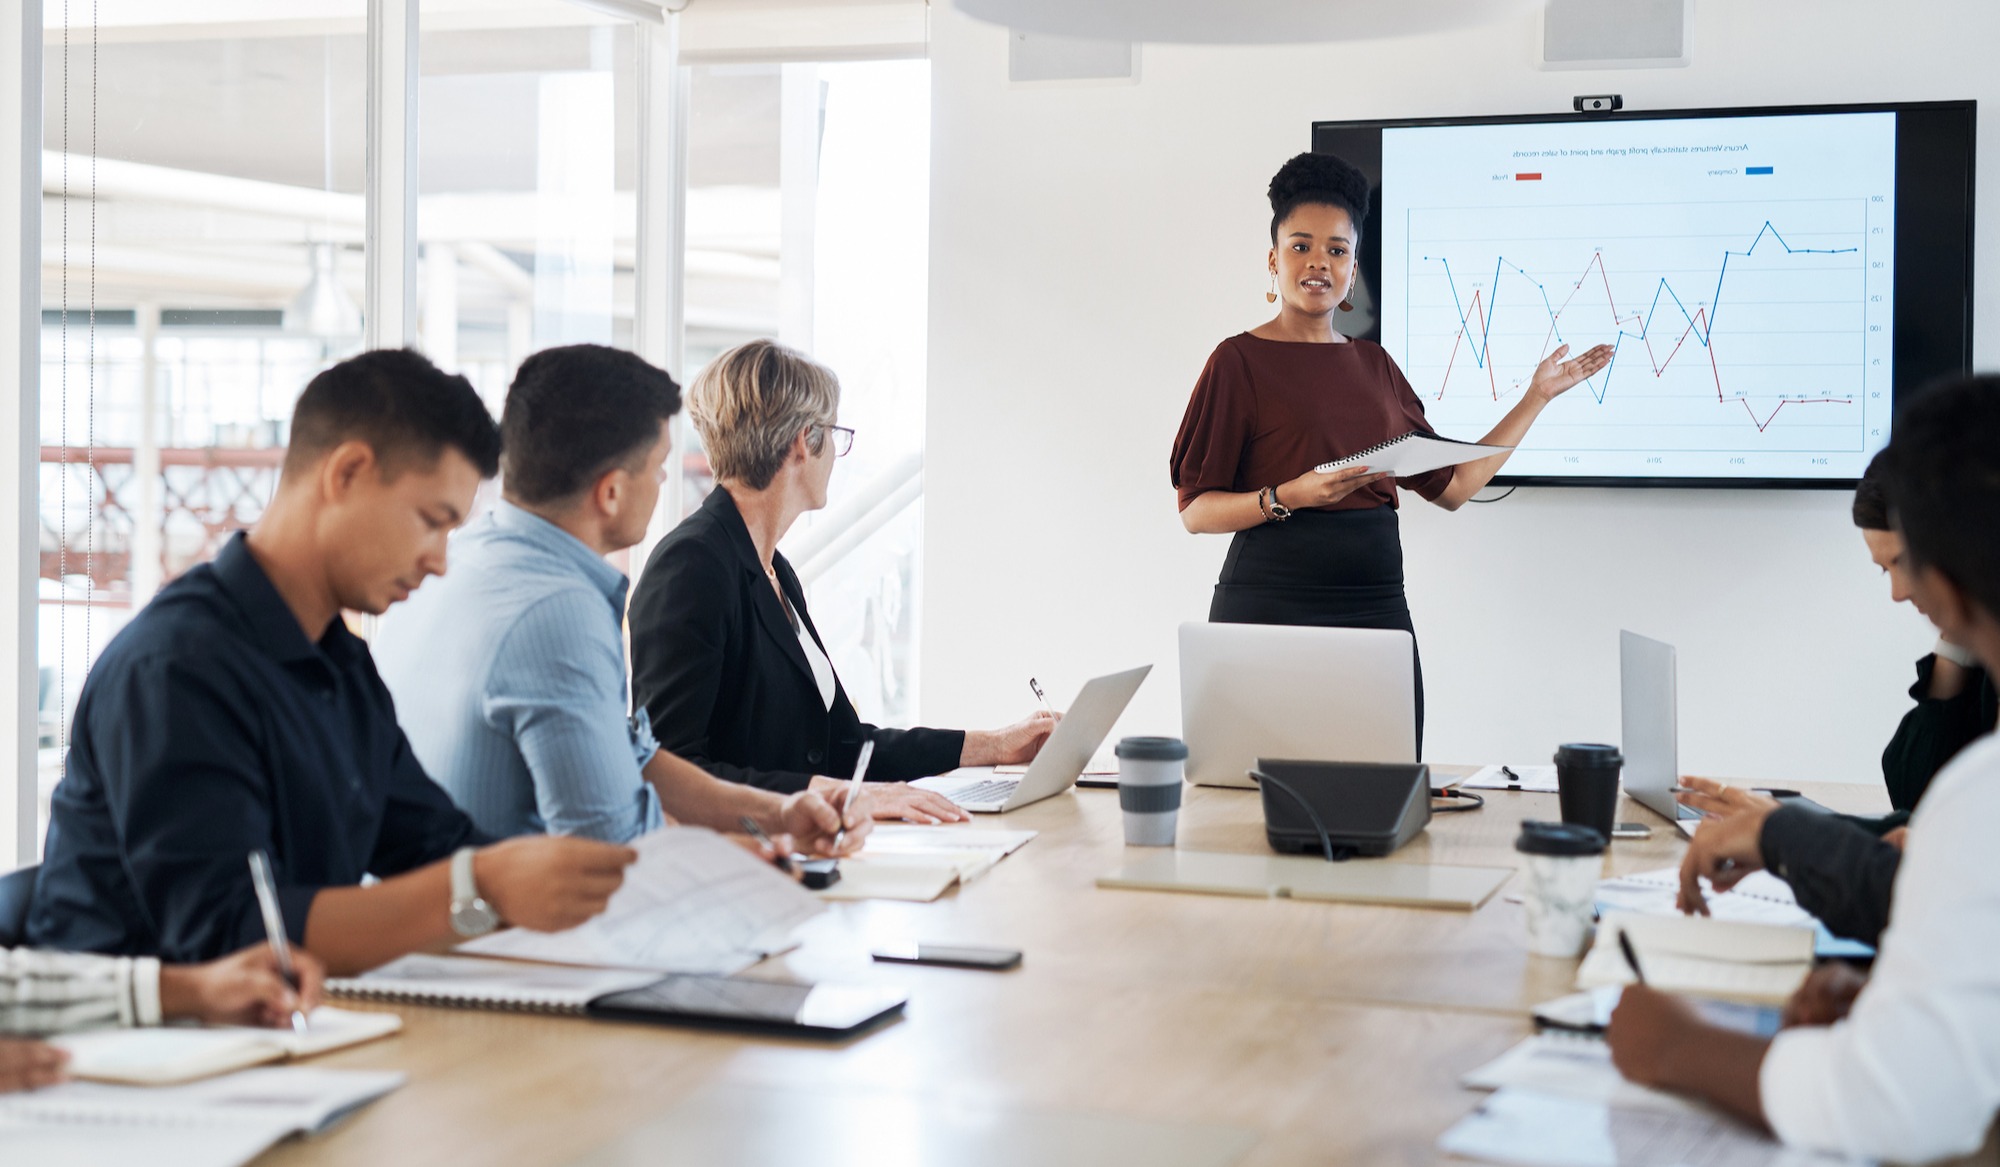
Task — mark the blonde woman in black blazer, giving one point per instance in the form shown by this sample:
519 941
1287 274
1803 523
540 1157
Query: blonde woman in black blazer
725 658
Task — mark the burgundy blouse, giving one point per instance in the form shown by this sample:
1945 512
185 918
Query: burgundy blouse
1267 411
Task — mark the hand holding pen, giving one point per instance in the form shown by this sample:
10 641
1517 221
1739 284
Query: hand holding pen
274 929
1036 688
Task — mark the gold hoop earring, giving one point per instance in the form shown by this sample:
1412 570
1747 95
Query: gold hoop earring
1271 297
1347 305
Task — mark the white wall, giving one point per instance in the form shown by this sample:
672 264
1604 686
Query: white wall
1091 244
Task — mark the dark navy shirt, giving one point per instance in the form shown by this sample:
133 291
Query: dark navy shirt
211 727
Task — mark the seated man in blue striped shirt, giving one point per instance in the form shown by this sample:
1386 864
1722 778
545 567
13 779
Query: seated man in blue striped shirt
509 674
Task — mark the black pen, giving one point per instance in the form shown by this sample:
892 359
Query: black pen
1041 696
1631 956
756 832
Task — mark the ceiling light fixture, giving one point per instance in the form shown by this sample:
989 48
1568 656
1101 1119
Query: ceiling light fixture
323 308
1245 22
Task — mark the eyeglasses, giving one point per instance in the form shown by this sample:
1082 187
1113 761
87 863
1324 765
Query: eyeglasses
843 439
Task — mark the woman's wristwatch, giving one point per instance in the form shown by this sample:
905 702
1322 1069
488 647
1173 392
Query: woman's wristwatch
1276 511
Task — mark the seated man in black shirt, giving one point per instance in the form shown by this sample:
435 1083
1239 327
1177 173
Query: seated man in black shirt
238 713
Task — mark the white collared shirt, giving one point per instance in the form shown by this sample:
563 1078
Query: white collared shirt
1913 1073
822 668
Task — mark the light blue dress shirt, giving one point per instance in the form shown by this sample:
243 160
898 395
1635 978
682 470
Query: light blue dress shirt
509 678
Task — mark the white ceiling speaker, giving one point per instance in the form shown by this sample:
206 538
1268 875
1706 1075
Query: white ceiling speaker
1241 22
1616 34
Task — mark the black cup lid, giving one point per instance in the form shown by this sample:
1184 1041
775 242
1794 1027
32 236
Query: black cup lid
1588 754
1152 749
1542 838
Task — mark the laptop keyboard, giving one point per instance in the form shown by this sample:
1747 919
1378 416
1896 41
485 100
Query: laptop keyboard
991 790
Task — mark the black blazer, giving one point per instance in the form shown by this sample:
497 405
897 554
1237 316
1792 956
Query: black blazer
717 667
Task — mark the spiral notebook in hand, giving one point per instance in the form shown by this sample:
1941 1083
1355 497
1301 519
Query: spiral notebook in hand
1413 453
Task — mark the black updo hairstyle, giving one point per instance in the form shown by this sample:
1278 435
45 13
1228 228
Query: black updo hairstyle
1318 179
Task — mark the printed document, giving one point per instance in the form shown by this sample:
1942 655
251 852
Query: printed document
693 903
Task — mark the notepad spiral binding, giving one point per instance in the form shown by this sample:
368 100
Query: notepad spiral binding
1362 455
509 1002
102 1115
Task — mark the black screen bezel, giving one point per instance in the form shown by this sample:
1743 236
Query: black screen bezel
1935 168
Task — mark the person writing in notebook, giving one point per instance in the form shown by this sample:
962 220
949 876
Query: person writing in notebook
237 713
509 673
1843 867
1295 393
726 659
1906 1067
45 993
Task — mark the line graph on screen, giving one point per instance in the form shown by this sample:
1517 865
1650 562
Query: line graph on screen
1738 325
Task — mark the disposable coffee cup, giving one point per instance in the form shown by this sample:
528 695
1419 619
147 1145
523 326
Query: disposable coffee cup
1587 785
1149 788
1561 863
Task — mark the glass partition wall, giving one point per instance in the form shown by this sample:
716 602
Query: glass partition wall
202 258
205 239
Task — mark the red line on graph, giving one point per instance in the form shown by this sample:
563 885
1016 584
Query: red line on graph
1479 311
1766 423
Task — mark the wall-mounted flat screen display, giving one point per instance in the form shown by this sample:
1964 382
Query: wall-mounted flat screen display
1770 280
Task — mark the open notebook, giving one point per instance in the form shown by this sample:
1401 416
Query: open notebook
919 864
178 1053
1729 960
221 1122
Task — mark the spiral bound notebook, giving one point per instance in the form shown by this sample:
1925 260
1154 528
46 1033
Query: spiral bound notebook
220 1122
488 984
1413 453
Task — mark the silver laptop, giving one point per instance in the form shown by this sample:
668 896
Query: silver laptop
1650 725
1252 691
1062 758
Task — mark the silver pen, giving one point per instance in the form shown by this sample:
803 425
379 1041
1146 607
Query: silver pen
274 927
1041 696
853 791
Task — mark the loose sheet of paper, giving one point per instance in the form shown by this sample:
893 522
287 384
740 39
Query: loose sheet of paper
1520 1126
1537 779
1572 1066
693 903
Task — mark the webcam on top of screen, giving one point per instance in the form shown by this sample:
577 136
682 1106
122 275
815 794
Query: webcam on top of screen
1599 103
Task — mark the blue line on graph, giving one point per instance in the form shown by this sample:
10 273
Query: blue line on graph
1702 332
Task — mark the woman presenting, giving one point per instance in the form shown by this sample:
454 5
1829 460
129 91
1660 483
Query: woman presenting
1291 394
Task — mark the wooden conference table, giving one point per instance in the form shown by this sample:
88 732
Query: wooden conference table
1328 1033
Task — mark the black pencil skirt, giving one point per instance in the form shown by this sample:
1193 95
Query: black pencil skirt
1322 569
